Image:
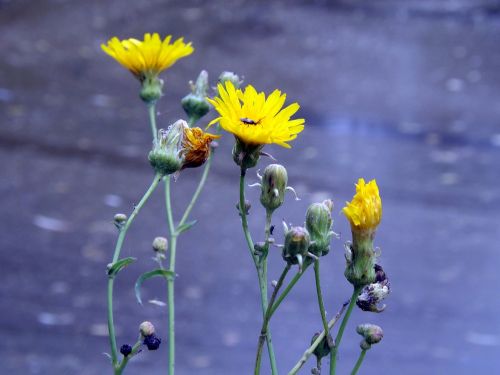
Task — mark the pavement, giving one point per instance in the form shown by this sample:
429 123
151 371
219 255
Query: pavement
404 92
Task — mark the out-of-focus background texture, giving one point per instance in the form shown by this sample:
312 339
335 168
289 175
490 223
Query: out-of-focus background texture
407 92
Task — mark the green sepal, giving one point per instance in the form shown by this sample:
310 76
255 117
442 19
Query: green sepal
184 227
148 275
114 268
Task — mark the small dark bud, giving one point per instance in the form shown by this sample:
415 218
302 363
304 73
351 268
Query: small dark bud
152 342
323 349
125 350
246 208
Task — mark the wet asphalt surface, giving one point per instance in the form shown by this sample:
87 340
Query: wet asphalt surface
407 93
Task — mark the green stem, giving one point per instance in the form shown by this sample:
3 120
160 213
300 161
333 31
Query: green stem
338 339
288 288
124 362
309 351
116 256
152 119
170 281
267 318
320 295
358 362
260 269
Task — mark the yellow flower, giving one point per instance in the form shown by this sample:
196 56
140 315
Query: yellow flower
364 212
253 119
196 144
148 57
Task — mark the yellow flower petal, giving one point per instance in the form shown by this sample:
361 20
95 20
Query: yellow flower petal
364 212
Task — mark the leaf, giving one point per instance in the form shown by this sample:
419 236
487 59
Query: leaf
114 268
184 227
148 275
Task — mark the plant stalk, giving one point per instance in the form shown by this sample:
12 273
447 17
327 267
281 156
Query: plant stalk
358 362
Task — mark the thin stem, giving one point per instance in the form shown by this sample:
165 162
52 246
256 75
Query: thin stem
170 281
198 190
320 295
116 256
338 339
262 278
124 362
288 288
309 351
358 362
152 119
267 318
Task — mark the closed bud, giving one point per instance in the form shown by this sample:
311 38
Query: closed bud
246 208
372 334
147 329
230 76
160 244
152 342
323 349
166 157
297 241
319 224
273 186
151 89
194 104
125 350
120 220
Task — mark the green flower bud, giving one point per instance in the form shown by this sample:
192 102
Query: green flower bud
273 186
360 259
323 349
194 104
166 157
319 224
372 334
246 155
160 245
151 89
230 76
297 241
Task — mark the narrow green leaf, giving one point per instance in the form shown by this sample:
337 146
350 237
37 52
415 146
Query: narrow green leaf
148 275
184 227
114 268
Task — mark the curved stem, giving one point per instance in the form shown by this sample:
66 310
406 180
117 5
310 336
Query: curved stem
338 339
260 268
320 296
358 362
267 318
116 255
152 119
318 340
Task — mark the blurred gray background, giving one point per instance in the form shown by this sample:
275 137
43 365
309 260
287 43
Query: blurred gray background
406 92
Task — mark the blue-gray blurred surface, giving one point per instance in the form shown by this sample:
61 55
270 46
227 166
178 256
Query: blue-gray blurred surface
407 92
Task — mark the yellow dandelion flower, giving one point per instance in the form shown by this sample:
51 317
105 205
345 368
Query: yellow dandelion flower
148 57
253 119
364 212
196 144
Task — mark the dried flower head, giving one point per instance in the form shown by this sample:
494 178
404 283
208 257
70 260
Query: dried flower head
253 119
148 57
196 144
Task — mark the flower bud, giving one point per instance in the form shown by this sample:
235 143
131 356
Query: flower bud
297 241
160 245
194 104
120 220
151 89
372 334
319 224
273 186
125 350
373 294
246 155
152 342
323 349
147 329
364 213
230 76
247 207
166 157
